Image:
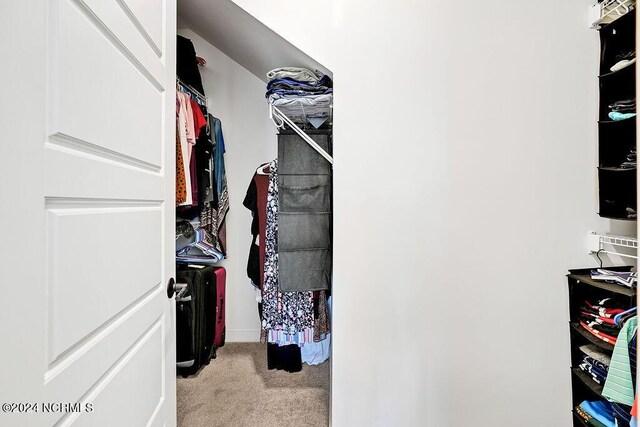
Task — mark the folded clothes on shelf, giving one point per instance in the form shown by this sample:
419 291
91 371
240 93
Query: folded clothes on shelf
295 73
594 412
625 278
622 64
301 94
631 160
616 116
297 107
624 106
597 370
594 352
631 213
605 308
600 335
294 87
599 319
630 54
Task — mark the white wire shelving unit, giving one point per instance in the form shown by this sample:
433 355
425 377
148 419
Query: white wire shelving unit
605 244
280 119
608 11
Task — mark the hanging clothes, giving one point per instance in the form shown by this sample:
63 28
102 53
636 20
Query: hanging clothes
203 153
287 316
181 184
314 353
221 181
205 195
191 140
256 201
184 146
253 261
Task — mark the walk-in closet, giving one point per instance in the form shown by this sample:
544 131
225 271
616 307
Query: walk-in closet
293 213
254 163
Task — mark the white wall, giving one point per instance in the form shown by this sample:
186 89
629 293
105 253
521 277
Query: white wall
237 99
465 184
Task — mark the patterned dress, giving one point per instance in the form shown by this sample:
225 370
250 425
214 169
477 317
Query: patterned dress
287 316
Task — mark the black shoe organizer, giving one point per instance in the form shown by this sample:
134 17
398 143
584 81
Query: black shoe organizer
616 139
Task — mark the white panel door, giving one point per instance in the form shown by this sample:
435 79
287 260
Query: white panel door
87 122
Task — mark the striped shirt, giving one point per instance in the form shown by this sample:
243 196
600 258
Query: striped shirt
619 385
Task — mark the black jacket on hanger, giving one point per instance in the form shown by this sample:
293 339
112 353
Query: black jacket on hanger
187 65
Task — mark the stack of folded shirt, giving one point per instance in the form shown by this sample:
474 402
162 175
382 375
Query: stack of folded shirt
595 368
597 413
623 109
595 362
624 106
631 161
624 278
304 96
598 319
596 353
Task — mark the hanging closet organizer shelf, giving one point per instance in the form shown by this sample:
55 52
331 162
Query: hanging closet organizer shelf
612 122
625 72
614 169
617 218
589 337
618 289
588 381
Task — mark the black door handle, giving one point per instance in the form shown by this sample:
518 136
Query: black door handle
171 288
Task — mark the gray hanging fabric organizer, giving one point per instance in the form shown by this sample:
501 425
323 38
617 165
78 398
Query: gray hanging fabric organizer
304 212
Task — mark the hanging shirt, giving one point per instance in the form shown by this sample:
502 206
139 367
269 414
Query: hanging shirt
220 180
199 121
181 185
256 201
191 139
619 385
191 133
219 151
184 145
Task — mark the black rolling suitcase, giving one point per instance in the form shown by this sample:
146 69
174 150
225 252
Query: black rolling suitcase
195 317
189 322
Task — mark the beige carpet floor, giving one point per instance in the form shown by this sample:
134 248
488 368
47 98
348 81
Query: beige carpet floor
236 389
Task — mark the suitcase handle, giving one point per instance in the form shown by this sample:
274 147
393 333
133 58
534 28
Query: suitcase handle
221 308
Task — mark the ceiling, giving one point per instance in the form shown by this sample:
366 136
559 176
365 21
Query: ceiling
242 37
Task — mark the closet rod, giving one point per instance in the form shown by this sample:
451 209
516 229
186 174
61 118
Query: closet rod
274 112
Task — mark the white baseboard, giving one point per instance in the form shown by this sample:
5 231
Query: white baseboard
242 335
